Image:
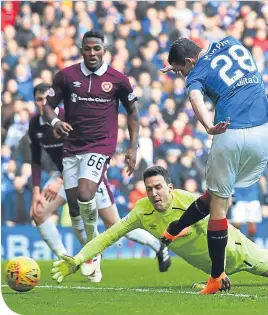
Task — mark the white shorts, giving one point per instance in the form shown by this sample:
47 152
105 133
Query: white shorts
61 191
91 166
237 159
246 211
104 196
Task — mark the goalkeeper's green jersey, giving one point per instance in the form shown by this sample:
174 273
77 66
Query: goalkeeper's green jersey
191 246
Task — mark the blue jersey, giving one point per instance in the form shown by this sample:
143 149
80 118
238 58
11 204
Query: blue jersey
228 75
250 193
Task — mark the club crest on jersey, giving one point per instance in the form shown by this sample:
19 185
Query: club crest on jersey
106 86
51 92
131 96
39 135
74 97
77 84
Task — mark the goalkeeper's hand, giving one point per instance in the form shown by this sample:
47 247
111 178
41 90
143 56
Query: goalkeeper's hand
63 268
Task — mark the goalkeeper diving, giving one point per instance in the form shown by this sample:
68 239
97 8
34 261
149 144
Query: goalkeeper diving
154 214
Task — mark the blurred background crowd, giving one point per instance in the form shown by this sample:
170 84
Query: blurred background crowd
41 37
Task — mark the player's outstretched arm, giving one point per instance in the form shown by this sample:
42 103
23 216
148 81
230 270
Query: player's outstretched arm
68 265
203 115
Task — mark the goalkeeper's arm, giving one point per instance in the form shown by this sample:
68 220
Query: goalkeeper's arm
68 265
106 239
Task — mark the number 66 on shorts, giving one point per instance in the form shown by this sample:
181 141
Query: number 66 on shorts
91 166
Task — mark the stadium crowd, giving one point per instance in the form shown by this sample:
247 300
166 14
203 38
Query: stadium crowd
41 37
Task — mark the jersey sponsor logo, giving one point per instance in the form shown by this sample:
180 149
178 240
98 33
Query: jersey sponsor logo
245 81
50 146
51 92
131 96
77 84
75 98
106 86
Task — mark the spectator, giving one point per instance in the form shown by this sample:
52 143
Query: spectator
18 129
136 194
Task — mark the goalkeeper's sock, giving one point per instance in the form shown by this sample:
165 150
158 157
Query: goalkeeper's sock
145 238
89 214
217 240
196 212
51 236
79 229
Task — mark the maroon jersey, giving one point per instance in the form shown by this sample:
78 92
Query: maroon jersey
91 102
41 136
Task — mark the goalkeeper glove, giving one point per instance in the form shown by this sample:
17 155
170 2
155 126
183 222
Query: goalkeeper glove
63 268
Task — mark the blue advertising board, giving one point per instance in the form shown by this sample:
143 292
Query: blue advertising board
25 240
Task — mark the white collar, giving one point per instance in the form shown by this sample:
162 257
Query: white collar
41 119
103 68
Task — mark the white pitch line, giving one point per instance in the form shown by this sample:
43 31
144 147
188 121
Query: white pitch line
137 290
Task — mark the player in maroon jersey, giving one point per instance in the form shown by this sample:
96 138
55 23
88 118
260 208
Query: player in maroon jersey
43 203
91 91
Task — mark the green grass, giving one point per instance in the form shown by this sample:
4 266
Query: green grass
136 287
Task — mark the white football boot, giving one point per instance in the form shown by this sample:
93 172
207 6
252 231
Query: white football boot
91 269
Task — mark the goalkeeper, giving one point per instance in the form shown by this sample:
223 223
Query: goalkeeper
154 213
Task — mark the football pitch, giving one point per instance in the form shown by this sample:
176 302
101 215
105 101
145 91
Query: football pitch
136 287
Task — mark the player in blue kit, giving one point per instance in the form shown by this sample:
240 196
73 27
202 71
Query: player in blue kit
246 209
228 75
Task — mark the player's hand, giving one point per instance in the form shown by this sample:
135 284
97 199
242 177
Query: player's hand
221 127
130 160
51 191
55 134
37 199
168 69
63 268
62 128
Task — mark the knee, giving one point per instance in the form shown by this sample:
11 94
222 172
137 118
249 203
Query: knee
74 209
73 206
85 193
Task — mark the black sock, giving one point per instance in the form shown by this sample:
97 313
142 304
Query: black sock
217 241
197 211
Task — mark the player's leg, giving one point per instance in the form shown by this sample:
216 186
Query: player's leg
42 216
109 215
71 166
91 173
80 219
242 158
74 211
220 183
